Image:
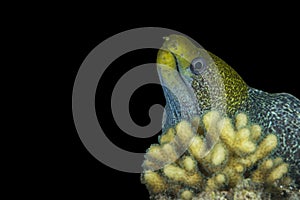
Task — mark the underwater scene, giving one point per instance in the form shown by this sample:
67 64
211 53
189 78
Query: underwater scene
221 138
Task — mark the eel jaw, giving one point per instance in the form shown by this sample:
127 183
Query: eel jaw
181 102
173 63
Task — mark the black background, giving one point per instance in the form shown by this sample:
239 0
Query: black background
264 51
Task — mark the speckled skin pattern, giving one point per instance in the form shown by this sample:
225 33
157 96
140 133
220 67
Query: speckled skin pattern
279 114
276 113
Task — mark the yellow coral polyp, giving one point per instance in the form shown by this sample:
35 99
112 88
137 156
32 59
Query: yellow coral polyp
184 133
255 132
265 147
277 161
150 165
176 173
207 167
247 147
263 169
155 183
239 168
227 133
242 135
197 148
186 195
210 120
241 120
277 173
155 152
268 164
169 152
168 136
215 182
189 164
243 144
218 155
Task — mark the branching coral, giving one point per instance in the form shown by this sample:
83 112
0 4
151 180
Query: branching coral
238 152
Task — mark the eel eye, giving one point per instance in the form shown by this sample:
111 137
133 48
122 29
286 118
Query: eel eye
198 66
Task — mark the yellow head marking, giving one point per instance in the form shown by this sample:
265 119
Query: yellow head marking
166 59
181 48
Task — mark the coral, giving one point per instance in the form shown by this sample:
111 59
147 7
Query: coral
221 155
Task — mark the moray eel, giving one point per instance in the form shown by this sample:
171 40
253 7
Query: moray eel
195 81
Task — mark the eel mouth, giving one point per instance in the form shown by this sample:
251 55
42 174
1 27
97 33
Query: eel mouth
173 59
168 67
180 98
